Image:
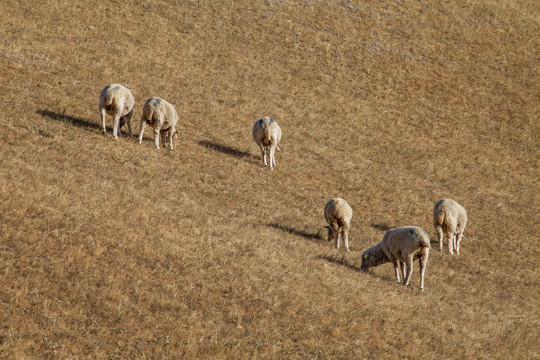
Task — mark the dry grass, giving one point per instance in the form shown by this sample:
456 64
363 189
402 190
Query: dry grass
111 249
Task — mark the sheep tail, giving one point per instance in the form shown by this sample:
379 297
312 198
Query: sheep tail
339 217
440 219
148 116
266 131
425 241
109 98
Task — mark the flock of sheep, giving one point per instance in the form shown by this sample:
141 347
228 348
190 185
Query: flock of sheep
400 246
116 100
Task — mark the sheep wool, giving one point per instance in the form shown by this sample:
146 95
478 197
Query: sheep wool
338 215
449 220
162 116
400 246
267 134
117 101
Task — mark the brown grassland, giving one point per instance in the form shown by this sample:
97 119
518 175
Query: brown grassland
111 249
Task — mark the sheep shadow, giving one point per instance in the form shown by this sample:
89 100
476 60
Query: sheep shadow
293 231
341 260
225 149
381 227
75 121
83 123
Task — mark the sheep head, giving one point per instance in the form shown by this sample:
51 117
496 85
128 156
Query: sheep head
366 261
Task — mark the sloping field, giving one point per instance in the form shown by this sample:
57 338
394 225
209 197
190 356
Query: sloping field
112 249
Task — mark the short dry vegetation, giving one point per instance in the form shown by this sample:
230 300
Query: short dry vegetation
111 249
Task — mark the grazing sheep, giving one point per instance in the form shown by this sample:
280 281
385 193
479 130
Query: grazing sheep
117 101
449 218
338 215
267 134
162 117
400 245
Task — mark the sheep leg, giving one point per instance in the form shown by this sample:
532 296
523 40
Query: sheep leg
458 241
156 134
423 263
272 157
329 234
345 237
263 153
402 268
440 236
450 236
170 135
103 115
129 116
120 124
335 230
396 269
409 263
163 137
116 123
143 125
273 154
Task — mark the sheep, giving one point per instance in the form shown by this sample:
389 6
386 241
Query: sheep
338 215
117 101
162 116
449 218
400 245
267 134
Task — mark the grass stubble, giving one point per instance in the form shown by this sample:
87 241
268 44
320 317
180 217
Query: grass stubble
111 249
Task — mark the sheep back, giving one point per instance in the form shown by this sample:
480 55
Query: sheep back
339 211
397 244
266 132
158 110
114 96
400 243
450 215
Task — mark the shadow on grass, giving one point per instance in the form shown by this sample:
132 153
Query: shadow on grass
290 230
225 149
381 227
75 121
341 259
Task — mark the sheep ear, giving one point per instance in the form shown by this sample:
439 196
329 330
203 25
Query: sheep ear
365 256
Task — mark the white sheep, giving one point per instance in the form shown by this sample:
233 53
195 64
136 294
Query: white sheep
450 219
267 134
116 100
162 116
398 246
338 215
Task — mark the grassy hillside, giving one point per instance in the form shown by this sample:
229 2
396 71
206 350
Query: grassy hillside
112 249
